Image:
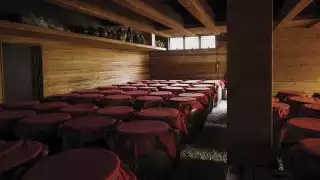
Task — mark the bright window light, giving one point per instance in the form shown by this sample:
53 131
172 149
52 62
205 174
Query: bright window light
191 42
176 43
208 42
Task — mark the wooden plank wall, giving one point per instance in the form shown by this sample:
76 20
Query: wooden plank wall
296 59
69 66
192 64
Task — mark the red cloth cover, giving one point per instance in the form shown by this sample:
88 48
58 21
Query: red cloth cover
316 95
119 100
86 91
158 85
170 116
111 92
175 80
118 112
164 94
21 105
89 123
202 98
140 137
128 88
205 90
282 95
174 90
148 89
159 80
133 82
107 87
214 82
191 82
139 85
204 86
148 102
300 128
302 160
180 85
80 164
311 145
151 82
49 106
90 96
280 110
169 82
77 110
66 95
9 118
296 103
88 129
310 110
18 153
49 118
145 81
274 99
185 105
119 85
135 93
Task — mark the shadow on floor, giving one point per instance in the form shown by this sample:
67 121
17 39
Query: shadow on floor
206 157
188 169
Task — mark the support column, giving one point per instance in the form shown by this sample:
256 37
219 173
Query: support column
249 81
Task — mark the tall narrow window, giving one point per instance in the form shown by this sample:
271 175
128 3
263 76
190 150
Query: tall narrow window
176 43
191 42
208 42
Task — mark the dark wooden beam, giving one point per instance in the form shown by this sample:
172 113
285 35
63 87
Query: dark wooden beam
101 13
196 31
153 11
223 28
290 10
249 81
199 9
301 23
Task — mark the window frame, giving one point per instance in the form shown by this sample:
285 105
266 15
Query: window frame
215 42
184 43
198 37
183 46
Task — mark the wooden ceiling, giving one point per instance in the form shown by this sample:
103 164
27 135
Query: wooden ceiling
168 18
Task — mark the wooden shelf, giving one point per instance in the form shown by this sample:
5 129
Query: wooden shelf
24 30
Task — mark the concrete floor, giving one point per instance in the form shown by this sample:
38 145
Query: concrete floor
206 158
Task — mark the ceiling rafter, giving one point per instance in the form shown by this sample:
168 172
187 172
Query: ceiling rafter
101 13
290 10
200 11
155 14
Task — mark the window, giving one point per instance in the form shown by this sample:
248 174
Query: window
176 43
208 42
191 42
195 42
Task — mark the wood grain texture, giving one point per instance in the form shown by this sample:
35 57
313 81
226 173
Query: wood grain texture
97 11
69 66
193 64
201 12
154 11
291 9
17 29
296 63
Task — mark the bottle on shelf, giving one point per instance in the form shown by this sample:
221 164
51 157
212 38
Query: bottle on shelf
122 34
129 37
102 32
